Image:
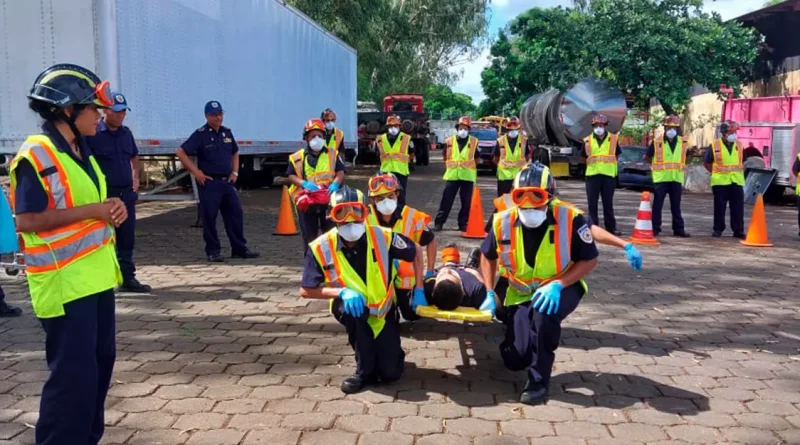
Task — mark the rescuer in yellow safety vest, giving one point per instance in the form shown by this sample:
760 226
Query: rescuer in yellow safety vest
353 266
601 150
460 153
545 249
510 155
796 173
396 151
667 156
67 225
385 211
723 160
313 169
334 137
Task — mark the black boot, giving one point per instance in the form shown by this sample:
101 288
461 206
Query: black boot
246 255
533 394
474 259
7 311
355 383
133 285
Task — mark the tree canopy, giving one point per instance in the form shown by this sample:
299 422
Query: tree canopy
403 45
646 48
442 103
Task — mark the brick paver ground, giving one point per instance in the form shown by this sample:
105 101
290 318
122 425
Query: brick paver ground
702 346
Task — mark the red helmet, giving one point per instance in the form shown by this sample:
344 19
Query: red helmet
512 123
672 121
328 115
313 124
464 120
393 120
601 119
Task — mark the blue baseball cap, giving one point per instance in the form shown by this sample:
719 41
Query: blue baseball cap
213 107
120 103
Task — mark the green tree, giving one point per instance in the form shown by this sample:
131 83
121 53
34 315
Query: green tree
646 48
403 45
440 100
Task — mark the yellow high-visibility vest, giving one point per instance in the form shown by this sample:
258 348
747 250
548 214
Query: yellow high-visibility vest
322 175
394 158
668 164
461 163
511 161
727 167
601 159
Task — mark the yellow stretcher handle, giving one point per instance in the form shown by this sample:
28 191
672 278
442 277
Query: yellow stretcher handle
460 313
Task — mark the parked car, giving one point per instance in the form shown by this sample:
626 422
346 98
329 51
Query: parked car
634 171
487 139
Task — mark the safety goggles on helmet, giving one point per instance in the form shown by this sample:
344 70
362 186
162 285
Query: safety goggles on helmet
672 121
382 184
348 212
599 119
530 197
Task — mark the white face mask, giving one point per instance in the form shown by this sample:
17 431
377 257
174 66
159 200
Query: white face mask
731 138
463 133
599 131
387 206
532 218
330 125
671 134
352 232
316 144
513 133
394 131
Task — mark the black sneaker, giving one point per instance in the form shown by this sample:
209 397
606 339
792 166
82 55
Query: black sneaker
474 259
533 394
682 235
716 234
133 285
7 311
216 258
246 255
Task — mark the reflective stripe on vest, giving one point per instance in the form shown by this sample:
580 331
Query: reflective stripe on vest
461 163
323 174
394 158
411 224
335 140
67 249
45 161
503 203
510 162
668 165
601 159
378 289
727 167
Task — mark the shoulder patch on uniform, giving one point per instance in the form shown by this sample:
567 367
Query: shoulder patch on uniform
201 128
399 243
586 234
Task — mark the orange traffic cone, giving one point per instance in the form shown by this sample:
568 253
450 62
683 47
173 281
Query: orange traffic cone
475 223
286 225
643 230
757 232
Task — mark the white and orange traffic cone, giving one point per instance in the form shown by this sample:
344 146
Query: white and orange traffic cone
643 230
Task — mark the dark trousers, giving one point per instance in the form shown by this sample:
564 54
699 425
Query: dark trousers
80 349
381 358
602 186
220 196
451 188
531 337
403 180
313 223
404 297
126 235
723 194
674 190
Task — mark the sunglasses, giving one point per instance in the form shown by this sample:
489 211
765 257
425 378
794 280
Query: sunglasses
349 212
529 197
384 183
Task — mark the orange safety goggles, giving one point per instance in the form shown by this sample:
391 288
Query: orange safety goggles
379 185
349 212
530 197
103 94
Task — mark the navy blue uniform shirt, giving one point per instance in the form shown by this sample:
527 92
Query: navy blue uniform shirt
708 156
214 150
426 237
29 195
532 239
113 151
474 289
651 150
600 142
401 248
312 159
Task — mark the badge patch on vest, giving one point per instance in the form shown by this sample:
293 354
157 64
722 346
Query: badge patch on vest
586 234
399 243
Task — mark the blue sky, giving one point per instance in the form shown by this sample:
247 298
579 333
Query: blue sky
502 11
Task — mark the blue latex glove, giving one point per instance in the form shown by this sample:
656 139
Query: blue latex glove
429 274
489 303
547 298
333 188
310 186
634 256
419 299
354 303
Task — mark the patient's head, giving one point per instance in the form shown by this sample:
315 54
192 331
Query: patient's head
447 292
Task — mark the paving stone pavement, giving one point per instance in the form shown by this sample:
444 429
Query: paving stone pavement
702 346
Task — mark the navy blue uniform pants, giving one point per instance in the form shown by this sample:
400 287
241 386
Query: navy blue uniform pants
80 348
602 187
451 189
531 337
404 297
126 235
674 190
733 194
403 180
313 223
380 358
220 196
